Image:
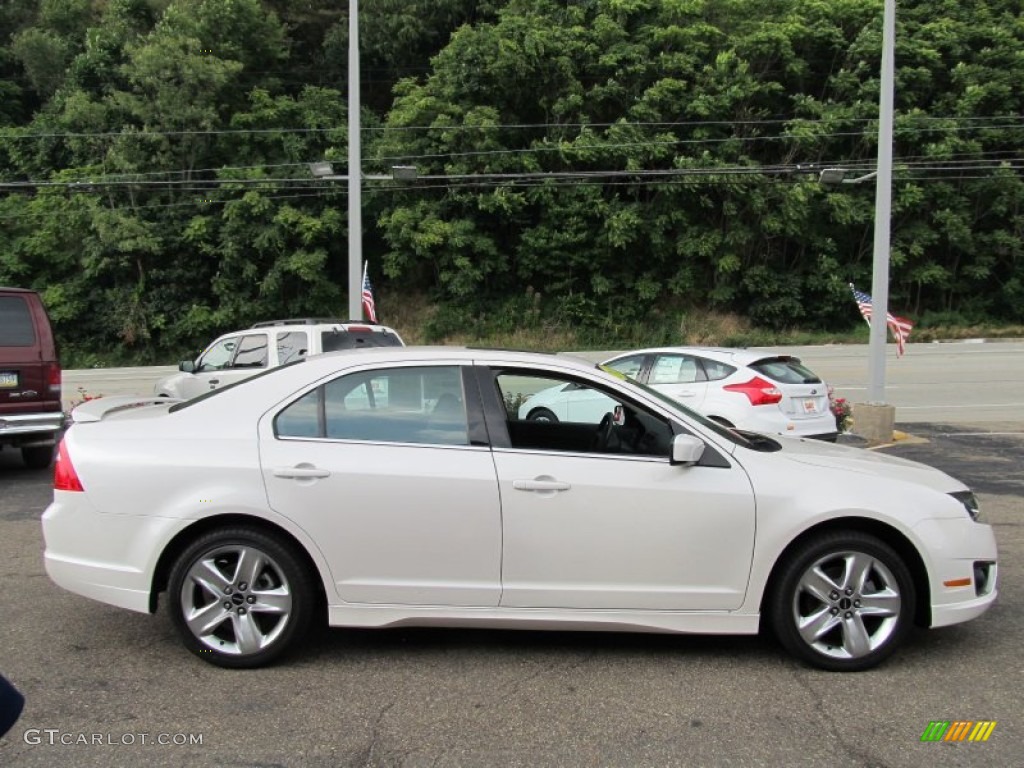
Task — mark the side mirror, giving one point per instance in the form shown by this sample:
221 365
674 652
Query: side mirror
686 450
187 366
619 415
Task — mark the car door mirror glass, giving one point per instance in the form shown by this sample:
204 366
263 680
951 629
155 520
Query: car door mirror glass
186 366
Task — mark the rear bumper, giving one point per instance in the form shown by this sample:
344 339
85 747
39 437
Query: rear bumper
107 557
30 428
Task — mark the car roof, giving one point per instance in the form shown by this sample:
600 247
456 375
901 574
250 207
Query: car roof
333 323
459 354
735 355
281 381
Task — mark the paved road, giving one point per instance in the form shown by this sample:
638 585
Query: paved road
481 698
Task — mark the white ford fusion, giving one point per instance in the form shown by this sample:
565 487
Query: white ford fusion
398 486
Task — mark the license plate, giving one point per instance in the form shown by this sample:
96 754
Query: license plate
8 379
810 405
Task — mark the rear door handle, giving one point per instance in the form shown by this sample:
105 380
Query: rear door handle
300 473
540 485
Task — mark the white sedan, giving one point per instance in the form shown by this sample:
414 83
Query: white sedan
752 390
398 487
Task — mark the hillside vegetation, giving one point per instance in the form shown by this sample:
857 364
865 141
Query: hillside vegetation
606 172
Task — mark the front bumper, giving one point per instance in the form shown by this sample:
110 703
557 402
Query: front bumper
956 547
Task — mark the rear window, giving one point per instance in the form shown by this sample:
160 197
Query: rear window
786 370
332 341
16 326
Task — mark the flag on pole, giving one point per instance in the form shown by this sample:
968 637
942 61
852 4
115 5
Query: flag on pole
899 326
369 307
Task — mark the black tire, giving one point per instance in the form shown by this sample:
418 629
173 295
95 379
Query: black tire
37 457
250 621
855 614
541 414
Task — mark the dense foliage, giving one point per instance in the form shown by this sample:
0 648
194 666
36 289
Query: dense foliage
581 164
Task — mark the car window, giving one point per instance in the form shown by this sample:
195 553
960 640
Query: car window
291 345
16 326
715 370
628 366
252 352
554 413
423 404
217 356
750 440
331 341
675 369
786 370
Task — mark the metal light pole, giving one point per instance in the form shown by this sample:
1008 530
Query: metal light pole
355 171
883 211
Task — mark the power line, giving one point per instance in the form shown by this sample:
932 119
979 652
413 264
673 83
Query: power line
1014 122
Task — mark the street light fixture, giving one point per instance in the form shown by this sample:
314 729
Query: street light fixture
833 176
324 171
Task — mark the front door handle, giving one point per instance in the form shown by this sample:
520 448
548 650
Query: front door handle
300 472
540 484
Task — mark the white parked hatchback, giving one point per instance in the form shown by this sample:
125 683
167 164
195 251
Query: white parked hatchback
751 390
396 486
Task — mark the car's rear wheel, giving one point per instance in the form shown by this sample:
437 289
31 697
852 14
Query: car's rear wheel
240 597
37 457
844 602
541 414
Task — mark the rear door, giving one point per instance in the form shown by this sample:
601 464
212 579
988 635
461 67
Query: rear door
23 384
804 394
384 468
680 376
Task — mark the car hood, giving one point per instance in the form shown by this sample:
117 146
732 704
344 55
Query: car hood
815 453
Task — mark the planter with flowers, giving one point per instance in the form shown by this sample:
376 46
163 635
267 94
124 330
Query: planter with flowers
841 409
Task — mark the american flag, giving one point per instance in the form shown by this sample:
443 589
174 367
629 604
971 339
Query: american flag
369 307
899 326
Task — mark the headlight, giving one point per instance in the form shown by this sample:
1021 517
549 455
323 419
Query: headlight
969 501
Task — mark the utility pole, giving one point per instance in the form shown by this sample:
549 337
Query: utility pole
355 171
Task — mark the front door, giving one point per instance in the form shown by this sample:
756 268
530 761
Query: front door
606 522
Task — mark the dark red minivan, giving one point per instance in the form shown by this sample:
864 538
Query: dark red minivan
31 415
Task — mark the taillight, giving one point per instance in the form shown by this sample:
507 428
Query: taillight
758 391
64 476
53 378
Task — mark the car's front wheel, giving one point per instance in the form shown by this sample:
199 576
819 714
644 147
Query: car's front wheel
240 597
844 602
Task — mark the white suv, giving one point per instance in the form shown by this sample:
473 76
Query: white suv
239 355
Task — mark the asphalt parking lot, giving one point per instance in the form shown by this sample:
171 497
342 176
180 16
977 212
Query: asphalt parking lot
104 686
